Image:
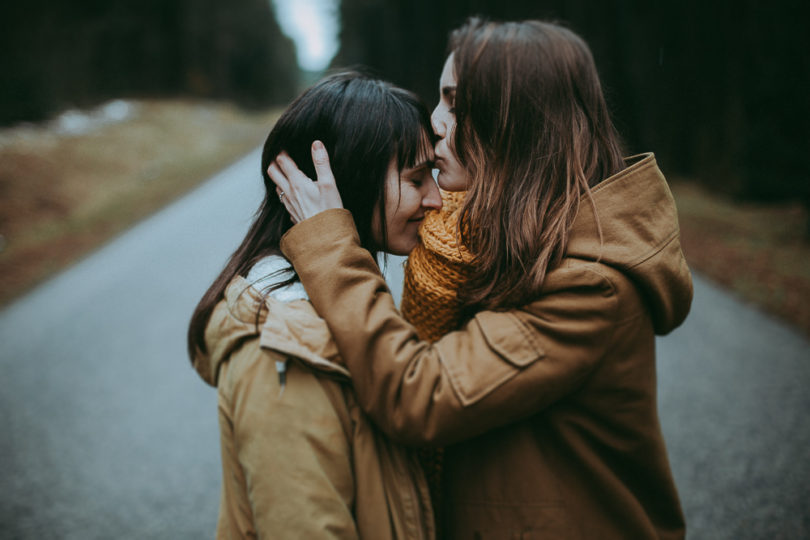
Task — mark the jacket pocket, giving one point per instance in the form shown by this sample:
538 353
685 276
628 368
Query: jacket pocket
514 347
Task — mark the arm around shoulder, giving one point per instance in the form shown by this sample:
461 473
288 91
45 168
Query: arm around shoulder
500 367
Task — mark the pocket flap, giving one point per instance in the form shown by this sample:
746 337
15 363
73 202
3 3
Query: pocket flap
473 373
510 337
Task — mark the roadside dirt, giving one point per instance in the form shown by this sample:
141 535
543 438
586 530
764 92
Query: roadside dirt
66 188
71 185
758 251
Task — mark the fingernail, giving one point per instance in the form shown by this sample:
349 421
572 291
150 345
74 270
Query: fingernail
319 149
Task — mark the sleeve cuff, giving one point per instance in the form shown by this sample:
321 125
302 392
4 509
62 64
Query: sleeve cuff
323 229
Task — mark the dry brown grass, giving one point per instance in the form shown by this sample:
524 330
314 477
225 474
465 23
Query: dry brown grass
759 251
62 195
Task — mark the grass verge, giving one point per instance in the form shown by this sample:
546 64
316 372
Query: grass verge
62 195
758 251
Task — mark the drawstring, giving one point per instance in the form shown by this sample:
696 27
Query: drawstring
281 368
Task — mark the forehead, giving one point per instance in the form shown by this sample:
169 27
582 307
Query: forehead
415 154
424 149
448 76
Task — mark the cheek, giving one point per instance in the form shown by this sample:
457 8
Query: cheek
450 121
404 202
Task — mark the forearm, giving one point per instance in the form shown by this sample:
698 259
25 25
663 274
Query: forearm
348 291
493 371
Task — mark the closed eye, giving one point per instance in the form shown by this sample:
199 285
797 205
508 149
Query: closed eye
449 96
419 174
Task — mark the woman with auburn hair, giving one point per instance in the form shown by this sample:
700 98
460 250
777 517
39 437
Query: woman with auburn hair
299 457
543 388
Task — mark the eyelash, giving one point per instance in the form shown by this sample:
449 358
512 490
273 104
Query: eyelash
451 102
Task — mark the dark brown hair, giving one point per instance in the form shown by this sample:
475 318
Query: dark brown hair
364 123
534 134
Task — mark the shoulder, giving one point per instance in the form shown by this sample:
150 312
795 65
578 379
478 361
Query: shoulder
578 285
589 286
251 386
581 306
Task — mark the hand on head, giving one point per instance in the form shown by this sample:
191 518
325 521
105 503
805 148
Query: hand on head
302 197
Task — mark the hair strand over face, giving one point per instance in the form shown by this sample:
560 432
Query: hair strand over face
534 134
365 124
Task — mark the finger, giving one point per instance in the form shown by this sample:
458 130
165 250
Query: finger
278 177
320 158
289 206
281 194
330 196
293 175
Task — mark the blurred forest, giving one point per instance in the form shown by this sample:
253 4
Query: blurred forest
55 54
717 89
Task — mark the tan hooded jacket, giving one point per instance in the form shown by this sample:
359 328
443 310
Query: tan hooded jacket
549 411
300 459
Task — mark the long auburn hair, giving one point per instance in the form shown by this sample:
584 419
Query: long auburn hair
534 134
364 123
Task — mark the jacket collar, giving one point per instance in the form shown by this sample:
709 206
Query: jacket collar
290 328
639 235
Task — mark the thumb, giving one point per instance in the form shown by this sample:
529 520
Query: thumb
320 158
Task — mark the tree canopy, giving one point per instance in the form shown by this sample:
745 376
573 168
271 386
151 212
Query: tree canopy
61 54
717 89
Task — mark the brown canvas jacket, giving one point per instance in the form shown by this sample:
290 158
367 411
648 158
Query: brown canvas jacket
302 461
549 411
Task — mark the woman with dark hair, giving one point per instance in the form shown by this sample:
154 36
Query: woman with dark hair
299 458
544 390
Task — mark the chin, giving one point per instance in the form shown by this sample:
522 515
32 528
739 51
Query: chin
450 183
402 249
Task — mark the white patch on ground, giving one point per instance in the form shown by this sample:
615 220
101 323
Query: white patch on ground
76 122
70 123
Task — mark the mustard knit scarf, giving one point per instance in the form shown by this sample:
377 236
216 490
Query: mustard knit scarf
433 273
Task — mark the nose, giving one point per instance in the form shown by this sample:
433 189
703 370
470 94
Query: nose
438 122
431 198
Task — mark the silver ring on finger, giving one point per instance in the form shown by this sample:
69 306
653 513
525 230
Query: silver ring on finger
281 196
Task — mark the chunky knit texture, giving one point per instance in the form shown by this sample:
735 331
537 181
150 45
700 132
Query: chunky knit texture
434 271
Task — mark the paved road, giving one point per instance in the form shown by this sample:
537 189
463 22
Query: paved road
734 395
108 433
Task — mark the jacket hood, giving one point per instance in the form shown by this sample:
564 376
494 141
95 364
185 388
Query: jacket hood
290 328
640 237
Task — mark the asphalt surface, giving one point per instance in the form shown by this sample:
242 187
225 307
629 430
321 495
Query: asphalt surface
109 433
733 402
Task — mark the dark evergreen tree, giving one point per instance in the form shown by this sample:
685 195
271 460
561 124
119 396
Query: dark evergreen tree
61 54
718 90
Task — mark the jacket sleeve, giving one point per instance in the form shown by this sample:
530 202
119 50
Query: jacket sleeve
500 367
291 448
